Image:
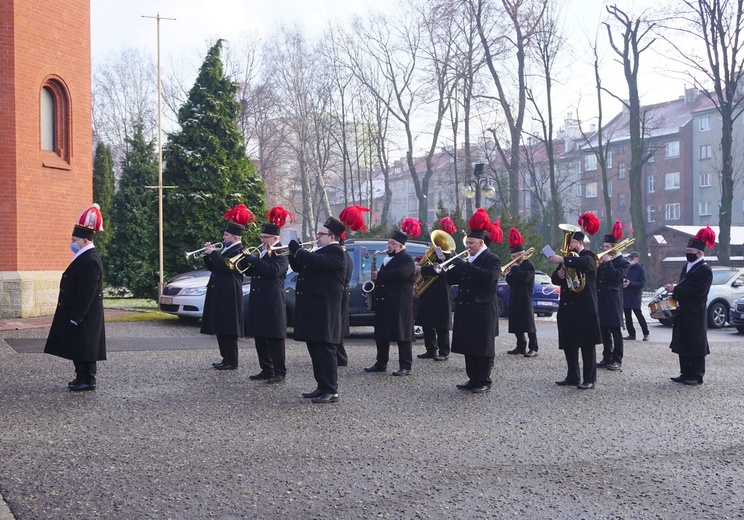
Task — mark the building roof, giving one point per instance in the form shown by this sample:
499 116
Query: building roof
737 232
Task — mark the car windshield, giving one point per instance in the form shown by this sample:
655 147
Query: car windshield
721 276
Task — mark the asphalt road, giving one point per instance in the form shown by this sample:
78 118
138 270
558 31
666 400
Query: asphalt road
165 436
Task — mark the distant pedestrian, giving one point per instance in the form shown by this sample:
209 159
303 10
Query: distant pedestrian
635 281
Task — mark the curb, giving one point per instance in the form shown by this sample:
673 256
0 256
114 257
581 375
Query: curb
5 513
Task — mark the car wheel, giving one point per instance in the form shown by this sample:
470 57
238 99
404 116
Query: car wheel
667 322
501 307
717 314
740 329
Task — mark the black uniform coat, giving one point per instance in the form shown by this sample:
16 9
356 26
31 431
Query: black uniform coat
345 296
476 314
610 277
320 284
578 318
80 300
690 332
633 293
223 305
521 280
266 316
435 304
394 299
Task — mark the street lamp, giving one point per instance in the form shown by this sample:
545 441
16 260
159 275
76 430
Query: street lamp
480 186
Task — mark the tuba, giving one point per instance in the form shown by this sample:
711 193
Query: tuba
446 243
575 280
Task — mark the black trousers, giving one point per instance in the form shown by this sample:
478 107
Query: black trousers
325 365
228 349
629 321
437 340
692 367
405 353
86 371
522 342
612 341
478 369
343 357
588 357
271 355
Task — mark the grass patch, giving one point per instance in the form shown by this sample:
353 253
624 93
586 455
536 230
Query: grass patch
130 304
143 316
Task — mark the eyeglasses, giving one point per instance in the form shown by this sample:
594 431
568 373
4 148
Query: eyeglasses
321 233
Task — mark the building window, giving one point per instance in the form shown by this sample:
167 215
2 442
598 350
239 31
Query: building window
672 149
704 209
578 189
705 124
621 204
651 158
55 130
651 183
705 180
609 188
528 201
590 162
413 204
411 187
621 170
671 181
651 213
706 151
47 119
671 211
591 190
609 160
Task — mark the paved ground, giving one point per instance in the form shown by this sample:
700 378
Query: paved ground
165 436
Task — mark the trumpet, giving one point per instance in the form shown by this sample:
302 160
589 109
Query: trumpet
447 265
284 250
232 262
199 253
524 255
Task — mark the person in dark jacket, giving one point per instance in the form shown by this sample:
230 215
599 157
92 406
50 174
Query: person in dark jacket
610 275
476 315
394 303
578 317
266 314
690 331
223 304
78 332
521 280
318 321
635 281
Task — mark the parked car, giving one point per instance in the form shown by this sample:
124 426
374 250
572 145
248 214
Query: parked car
737 315
545 296
183 295
727 287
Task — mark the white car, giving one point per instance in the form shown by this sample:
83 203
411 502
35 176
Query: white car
184 295
727 287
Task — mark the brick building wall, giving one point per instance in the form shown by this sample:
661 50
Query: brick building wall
42 192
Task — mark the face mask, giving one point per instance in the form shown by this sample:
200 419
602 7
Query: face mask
75 247
633 262
691 257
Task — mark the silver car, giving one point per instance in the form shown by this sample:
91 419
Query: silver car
184 295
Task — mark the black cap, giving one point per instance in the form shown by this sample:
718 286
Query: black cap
235 229
634 254
477 233
83 232
270 229
578 235
335 226
697 244
399 236
610 239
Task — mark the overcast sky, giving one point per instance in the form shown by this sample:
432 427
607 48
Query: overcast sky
116 24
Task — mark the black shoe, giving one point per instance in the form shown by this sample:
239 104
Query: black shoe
217 364
678 379
614 366
441 358
692 382
531 353
520 351
326 398
225 366
645 337
585 386
262 375
603 363
82 387
276 378
342 364
311 395
375 368
76 381
482 389
566 382
466 386
629 337
402 372
427 355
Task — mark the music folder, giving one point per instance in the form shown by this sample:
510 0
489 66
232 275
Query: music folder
548 251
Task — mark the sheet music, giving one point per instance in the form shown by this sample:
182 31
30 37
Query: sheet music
548 251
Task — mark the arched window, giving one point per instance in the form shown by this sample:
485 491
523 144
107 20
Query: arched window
55 122
47 119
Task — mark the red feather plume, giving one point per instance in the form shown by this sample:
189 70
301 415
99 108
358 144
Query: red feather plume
495 233
278 216
353 218
515 238
617 230
411 227
91 218
707 235
480 221
447 225
240 215
589 223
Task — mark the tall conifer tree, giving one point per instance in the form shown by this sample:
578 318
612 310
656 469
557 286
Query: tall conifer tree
103 192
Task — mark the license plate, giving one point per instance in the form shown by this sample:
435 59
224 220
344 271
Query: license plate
166 301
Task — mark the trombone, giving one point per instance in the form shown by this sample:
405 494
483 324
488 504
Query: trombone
199 253
284 250
615 249
524 255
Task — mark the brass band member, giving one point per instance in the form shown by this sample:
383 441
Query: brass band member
394 301
578 320
690 331
610 275
476 316
318 321
266 314
78 332
521 280
434 313
223 305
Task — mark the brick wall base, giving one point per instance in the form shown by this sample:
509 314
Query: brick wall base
28 294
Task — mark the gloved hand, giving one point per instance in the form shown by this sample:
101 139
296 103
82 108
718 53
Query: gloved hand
459 262
294 246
